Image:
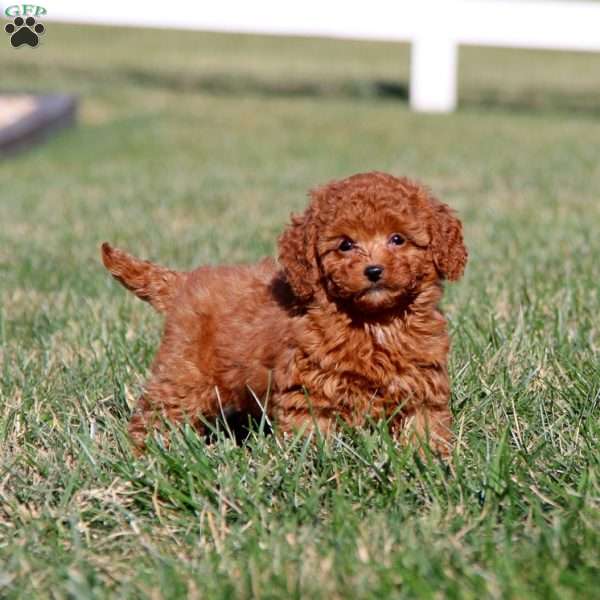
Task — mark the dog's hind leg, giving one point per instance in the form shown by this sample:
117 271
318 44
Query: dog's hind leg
168 401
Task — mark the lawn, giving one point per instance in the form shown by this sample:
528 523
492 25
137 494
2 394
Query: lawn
192 149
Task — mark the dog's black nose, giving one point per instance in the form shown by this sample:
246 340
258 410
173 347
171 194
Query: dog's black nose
373 272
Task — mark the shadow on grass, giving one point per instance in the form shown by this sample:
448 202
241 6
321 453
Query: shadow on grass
242 84
532 100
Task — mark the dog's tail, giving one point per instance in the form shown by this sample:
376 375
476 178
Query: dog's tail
152 283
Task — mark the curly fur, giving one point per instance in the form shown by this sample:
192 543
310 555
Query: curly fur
313 336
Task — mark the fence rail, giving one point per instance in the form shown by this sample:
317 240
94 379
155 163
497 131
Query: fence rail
435 28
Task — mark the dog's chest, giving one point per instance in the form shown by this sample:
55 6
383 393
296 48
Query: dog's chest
380 364
371 357
384 363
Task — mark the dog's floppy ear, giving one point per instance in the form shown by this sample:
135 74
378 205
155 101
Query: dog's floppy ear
297 255
448 247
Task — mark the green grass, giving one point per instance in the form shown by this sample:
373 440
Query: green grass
193 148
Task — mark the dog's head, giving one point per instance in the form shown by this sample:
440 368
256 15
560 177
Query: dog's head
371 240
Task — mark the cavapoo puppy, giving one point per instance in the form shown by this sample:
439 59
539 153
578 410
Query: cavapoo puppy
344 328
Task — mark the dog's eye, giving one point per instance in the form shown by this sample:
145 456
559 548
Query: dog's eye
346 244
397 240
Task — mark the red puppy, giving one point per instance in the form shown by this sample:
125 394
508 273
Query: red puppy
345 328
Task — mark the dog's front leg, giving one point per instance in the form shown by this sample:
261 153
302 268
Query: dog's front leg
297 411
426 426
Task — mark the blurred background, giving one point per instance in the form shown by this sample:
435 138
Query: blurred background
195 146
176 127
187 134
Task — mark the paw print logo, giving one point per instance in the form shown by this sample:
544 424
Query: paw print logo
24 31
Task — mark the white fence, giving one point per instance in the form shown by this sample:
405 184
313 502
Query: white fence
435 28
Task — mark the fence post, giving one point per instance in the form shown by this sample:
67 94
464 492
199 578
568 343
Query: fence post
433 72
